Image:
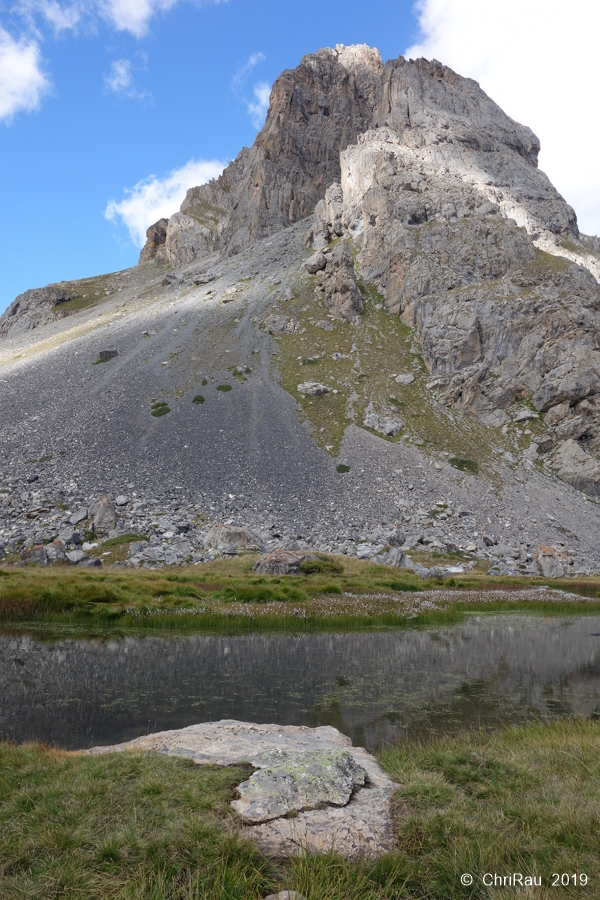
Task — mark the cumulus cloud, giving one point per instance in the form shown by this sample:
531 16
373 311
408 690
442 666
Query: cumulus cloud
258 107
22 80
538 60
153 198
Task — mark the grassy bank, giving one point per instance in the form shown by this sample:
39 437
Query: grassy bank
225 595
146 826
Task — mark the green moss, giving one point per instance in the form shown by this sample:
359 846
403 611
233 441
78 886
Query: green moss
224 388
198 399
160 408
342 468
204 382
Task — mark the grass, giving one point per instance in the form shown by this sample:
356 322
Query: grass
224 388
124 826
464 465
198 399
128 826
332 593
159 408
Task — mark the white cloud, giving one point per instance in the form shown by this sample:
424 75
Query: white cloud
538 60
258 107
22 81
120 80
133 15
153 198
244 70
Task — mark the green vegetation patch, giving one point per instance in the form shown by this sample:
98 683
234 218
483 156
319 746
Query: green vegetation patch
265 594
121 539
341 468
198 399
224 388
160 408
464 465
322 565
122 826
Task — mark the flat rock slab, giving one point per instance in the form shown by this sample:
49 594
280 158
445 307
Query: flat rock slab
294 782
361 827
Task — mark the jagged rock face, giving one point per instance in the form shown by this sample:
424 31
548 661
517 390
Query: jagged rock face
33 308
316 110
156 237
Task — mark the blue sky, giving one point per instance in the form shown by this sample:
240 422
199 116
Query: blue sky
98 96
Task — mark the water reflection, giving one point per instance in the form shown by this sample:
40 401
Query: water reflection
373 686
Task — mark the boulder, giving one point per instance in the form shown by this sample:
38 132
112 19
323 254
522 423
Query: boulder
385 423
282 562
406 378
275 324
312 388
551 562
78 516
76 556
342 294
35 556
577 467
56 550
294 782
225 536
316 263
103 514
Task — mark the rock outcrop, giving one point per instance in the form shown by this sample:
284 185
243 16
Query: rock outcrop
154 248
313 773
315 111
34 308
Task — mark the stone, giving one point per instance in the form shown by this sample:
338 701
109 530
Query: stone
76 556
396 537
34 556
33 477
392 556
108 354
156 237
577 467
78 516
296 782
70 536
324 325
121 500
276 324
94 563
408 378
525 415
342 295
556 414
312 388
315 263
286 895
361 828
55 550
551 562
282 562
233 536
103 514
387 424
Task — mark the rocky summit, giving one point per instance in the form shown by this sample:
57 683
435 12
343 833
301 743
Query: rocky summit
377 332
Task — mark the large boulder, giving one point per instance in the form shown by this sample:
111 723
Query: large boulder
282 562
103 514
232 536
577 467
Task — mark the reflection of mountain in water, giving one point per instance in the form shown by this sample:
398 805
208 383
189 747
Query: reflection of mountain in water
372 686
